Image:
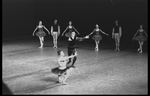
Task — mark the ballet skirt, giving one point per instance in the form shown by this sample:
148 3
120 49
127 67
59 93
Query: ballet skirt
40 33
59 71
141 37
97 37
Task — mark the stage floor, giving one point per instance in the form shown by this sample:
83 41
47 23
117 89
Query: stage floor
26 69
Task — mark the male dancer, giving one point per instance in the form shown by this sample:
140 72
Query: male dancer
71 45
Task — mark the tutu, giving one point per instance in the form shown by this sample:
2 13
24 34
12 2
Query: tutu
59 71
97 37
41 34
68 34
141 38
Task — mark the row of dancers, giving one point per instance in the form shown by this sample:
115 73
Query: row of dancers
140 35
66 63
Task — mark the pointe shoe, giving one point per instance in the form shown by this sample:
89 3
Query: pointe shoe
138 49
115 49
141 52
40 47
55 47
64 83
118 49
96 49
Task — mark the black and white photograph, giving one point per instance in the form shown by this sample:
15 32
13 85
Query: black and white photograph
74 47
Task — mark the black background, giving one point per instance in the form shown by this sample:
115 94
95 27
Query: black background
20 17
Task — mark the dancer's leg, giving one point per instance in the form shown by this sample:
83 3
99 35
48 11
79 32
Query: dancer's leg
96 45
141 44
118 39
55 39
69 54
40 42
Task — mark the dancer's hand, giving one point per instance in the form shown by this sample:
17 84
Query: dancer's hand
86 37
76 53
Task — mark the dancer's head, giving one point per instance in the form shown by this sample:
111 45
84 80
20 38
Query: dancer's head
40 22
55 21
141 26
97 26
116 22
60 53
70 23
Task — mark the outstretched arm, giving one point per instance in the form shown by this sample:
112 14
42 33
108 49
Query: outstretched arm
75 30
72 55
64 31
103 32
35 30
91 33
135 35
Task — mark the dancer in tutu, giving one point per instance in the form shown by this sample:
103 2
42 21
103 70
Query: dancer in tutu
63 71
140 37
116 34
69 30
97 37
55 32
41 33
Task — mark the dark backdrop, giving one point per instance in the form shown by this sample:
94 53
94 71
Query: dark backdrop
20 17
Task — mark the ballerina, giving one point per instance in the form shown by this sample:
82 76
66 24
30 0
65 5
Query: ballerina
140 38
97 37
69 30
63 71
41 33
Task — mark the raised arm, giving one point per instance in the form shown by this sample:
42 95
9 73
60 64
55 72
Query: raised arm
46 29
75 30
64 31
34 30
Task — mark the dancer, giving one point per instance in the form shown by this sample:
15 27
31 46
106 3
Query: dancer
97 37
41 33
55 32
139 36
70 29
71 46
63 71
116 34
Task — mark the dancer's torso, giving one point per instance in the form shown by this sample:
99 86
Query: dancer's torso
55 27
116 29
